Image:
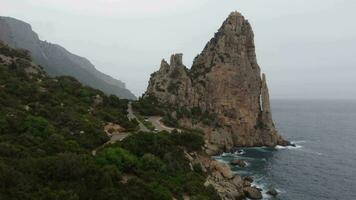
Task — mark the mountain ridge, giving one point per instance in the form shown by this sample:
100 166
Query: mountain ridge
56 60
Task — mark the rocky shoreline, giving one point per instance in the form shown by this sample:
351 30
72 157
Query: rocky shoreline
229 185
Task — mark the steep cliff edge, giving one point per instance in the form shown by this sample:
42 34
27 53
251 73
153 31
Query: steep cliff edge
225 82
56 60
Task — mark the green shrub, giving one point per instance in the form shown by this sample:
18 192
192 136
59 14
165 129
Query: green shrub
37 126
150 162
168 120
142 143
148 106
190 140
119 157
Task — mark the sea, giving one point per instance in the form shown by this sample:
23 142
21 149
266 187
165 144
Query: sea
322 166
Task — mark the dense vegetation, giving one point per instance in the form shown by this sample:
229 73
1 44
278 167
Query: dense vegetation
150 106
155 164
49 126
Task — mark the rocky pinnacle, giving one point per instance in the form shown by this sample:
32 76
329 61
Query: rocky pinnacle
225 80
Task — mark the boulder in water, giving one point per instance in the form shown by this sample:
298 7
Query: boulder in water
252 193
272 192
248 178
239 163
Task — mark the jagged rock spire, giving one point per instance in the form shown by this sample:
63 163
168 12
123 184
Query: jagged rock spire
225 81
176 60
266 106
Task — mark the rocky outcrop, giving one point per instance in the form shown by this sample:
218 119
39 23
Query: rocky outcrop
228 185
225 82
272 192
252 193
239 163
56 60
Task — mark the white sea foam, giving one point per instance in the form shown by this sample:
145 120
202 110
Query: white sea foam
298 147
219 159
227 154
261 149
239 152
224 154
265 188
289 147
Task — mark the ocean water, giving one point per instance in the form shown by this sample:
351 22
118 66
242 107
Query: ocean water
321 167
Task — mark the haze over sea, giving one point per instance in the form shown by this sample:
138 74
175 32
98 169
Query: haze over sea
323 164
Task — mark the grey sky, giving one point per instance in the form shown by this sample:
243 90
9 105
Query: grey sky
306 47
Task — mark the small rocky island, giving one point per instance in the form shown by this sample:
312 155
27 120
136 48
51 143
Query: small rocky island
224 83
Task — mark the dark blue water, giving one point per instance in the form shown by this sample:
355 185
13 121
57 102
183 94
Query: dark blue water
322 166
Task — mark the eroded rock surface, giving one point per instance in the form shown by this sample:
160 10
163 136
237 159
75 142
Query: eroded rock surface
252 193
224 80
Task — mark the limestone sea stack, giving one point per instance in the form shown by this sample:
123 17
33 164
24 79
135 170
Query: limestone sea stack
224 81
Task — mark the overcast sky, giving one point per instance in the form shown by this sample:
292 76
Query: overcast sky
306 47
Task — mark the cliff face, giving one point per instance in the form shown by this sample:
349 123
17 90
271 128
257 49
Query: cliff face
56 60
224 80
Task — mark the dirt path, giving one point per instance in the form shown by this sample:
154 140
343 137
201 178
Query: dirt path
121 136
114 138
131 115
159 126
155 120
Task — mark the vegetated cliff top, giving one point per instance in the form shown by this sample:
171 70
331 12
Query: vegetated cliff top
56 60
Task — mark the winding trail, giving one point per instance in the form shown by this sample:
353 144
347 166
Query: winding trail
155 120
113 139
159 126
121 136
131 115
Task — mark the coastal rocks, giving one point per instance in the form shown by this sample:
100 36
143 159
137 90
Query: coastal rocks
239 163
228 185
223 169
228 189
237 181
225 82
247 178
247 181
211 149
272 192
252 193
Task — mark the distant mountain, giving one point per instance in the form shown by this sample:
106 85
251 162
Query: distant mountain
56 60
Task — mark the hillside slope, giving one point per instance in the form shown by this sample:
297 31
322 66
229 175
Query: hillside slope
56 60
49 127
